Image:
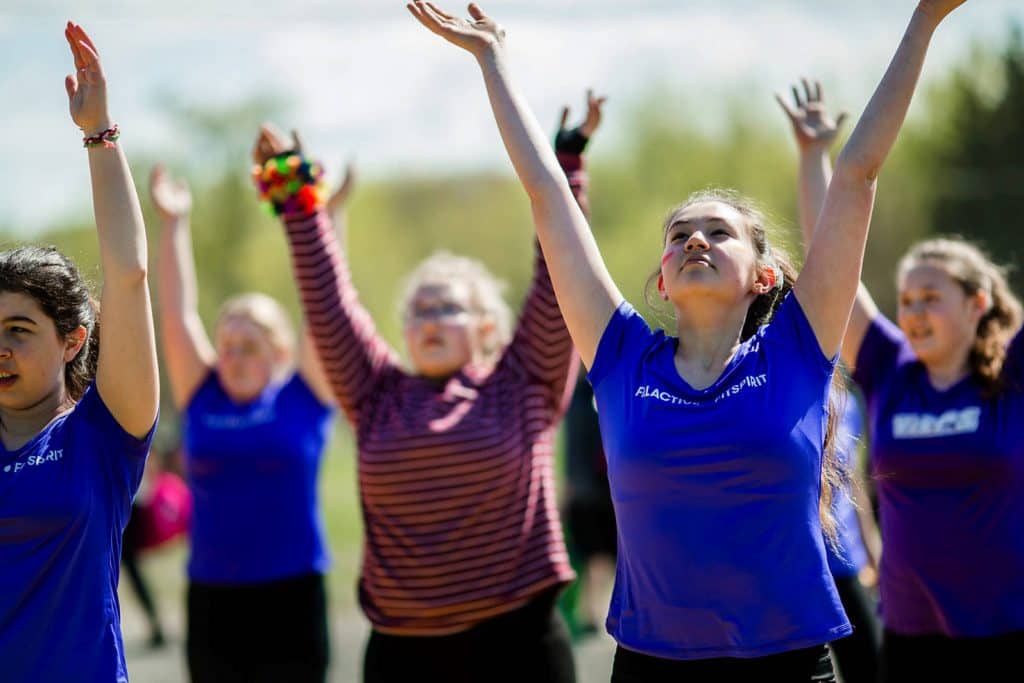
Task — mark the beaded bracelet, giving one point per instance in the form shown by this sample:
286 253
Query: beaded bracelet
289 183
106 138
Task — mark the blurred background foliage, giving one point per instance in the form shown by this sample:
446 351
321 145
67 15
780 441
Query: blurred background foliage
959 168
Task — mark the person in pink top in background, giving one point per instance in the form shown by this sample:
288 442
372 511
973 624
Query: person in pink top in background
464 553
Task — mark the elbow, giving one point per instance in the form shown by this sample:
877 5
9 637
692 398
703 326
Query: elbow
136 275
853 166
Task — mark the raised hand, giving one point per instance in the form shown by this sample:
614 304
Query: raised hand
339 197
812 126
87 87
477 35
271 142
569 137
171 197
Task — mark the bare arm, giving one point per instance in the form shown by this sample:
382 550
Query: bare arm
815 132
186 347
126 374
828 284
583 286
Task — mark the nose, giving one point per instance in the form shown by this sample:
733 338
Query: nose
696 242
5 351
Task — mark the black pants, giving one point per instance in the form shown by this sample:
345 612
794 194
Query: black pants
528 645
938 659
796 666
130 561
268 632
857 655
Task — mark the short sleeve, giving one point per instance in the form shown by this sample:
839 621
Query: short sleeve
298 387
879 354
121 455
625 338
1013 368
790 331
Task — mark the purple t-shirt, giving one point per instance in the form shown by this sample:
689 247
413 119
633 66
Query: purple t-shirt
851 555
949 470
65 497
253 470
716 493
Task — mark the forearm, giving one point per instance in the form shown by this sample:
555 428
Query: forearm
815 174
879 125
351 353
179 288
122 233
528 149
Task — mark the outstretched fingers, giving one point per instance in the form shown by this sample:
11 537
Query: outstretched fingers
790 112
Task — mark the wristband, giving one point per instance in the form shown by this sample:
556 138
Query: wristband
105 138
571 141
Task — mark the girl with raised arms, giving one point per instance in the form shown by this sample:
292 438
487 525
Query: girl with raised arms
715 436
256 421
463 555
945 395
78 405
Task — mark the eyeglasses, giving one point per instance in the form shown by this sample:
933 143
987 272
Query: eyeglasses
447 311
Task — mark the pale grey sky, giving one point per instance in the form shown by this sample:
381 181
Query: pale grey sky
366 80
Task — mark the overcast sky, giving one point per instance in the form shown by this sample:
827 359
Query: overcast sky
366 80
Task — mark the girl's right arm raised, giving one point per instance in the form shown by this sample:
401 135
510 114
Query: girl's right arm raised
583 286
351 352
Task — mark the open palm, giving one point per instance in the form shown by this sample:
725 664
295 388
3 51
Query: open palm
87 87
475 35
812 125
171 197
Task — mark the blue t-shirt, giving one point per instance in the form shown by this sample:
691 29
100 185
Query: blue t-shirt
716 493
65 497
253 470
851 556
949 470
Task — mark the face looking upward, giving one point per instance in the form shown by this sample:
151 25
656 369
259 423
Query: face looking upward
32 354
939 318
443 330
709 253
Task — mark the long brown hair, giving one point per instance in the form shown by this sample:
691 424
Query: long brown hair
760 313
970 268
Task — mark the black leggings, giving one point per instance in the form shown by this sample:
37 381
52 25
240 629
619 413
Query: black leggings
856 656
938 659
261 633
795 666
528 645
130 560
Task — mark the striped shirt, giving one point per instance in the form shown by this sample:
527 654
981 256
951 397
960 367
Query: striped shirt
456 478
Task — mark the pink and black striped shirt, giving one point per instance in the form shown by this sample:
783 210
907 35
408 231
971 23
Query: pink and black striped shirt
456 479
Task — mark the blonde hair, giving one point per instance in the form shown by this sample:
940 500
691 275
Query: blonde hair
975 272
486 293
265 313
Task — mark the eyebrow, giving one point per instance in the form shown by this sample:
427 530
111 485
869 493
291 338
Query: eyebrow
19 319
682 222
